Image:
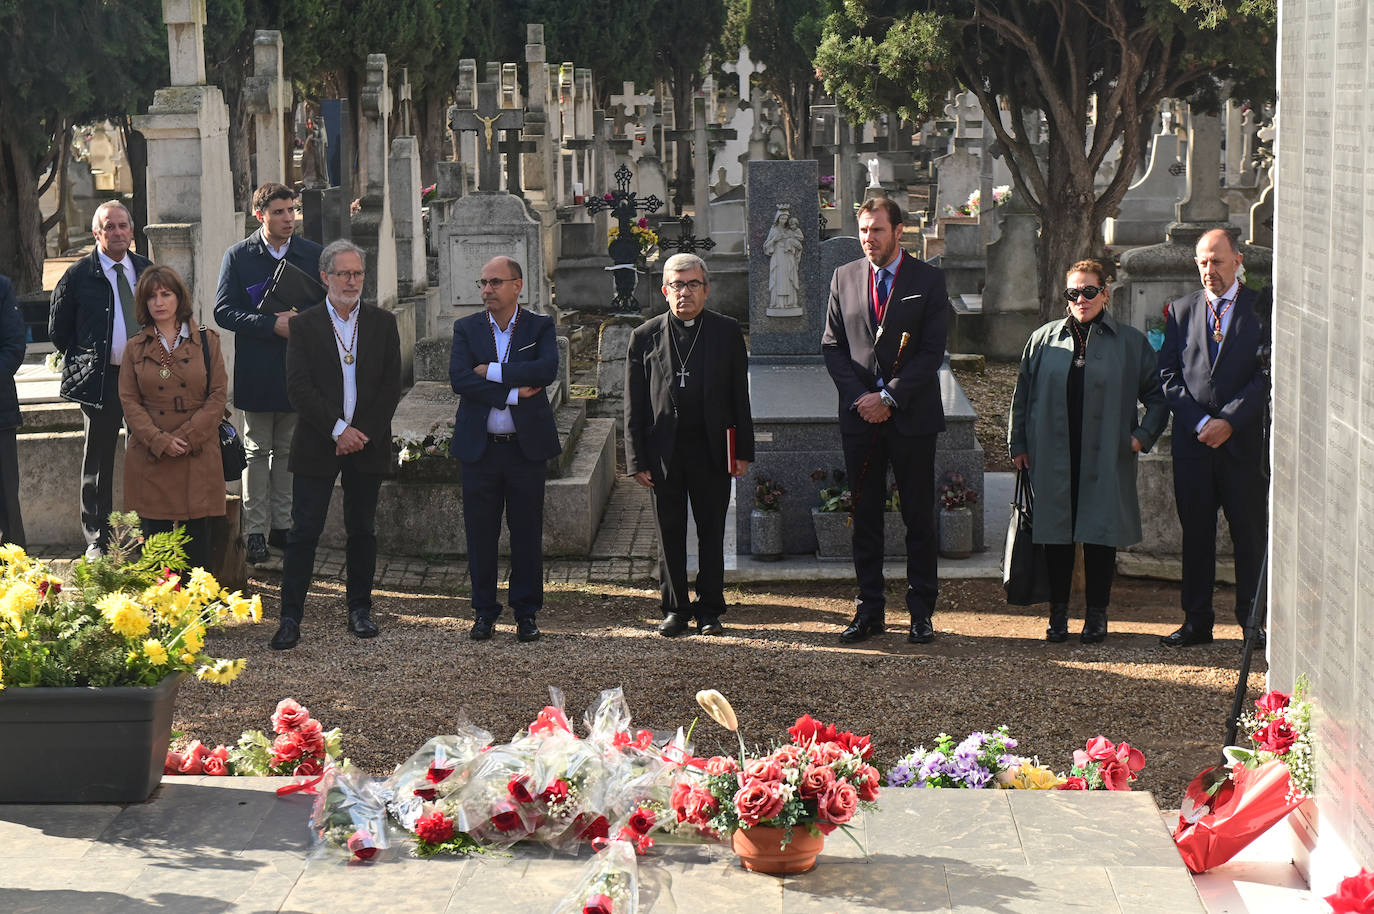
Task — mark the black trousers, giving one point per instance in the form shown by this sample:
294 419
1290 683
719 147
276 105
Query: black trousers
98 460
693 477
197 528
11 518
912 459
309 508
1201 485
1099 569
505 481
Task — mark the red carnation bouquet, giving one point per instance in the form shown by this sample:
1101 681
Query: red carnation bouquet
1226 807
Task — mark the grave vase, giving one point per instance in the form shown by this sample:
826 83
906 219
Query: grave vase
85 745
765 534
761 849
834 536
956 532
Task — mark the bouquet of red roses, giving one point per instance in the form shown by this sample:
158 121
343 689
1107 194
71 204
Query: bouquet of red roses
300 746
1104 765
1226 807
1355 894
818 780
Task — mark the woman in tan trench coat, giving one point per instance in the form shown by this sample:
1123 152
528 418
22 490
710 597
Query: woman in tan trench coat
173 471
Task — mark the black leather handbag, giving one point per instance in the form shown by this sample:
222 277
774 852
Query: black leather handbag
1025 575
231 449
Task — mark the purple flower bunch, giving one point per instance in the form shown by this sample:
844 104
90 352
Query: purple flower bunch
974 763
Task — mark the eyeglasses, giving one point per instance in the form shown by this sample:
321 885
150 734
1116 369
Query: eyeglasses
494 283
677 285
1088 292
349 275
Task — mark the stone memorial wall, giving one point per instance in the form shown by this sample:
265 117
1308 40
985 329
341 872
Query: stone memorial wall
1322 521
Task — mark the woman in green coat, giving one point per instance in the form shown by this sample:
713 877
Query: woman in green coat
1074 426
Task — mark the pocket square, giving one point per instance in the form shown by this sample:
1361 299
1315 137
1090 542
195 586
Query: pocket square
910 297
530 346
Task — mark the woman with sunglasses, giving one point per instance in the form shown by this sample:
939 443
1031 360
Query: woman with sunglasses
1076 429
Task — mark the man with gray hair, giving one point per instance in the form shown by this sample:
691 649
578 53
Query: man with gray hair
92 317
688 432
343 375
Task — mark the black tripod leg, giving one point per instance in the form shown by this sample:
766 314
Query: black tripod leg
1252 628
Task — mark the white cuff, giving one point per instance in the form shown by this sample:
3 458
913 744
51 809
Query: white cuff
494 372
513 397
339 426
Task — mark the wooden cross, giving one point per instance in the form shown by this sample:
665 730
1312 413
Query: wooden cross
485 120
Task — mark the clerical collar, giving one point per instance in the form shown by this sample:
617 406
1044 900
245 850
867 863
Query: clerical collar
682 323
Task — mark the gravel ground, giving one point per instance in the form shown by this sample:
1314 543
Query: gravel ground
779 659
990 393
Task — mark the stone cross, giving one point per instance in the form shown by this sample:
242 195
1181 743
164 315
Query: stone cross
510 86
538 168
582 104
185 21
267 93
487 119
376 108
405 101
1203 205
967 115
744 68
567 92
629 102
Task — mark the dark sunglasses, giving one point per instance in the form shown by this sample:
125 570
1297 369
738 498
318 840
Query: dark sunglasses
1088 292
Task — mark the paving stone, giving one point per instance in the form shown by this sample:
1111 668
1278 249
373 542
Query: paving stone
1033 889
52 832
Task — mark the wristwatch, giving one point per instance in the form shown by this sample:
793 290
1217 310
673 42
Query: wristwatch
887 398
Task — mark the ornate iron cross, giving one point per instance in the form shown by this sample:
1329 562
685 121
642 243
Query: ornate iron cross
686 242
626 206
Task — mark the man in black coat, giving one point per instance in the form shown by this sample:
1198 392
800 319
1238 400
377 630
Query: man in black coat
686 393
343 374
884 343
260 361
1214 368
92 318
504 433
13 334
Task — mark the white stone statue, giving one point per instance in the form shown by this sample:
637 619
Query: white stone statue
784 249
874 175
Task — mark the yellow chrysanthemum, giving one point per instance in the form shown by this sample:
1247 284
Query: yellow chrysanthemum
155 652
124 615
193 638
11 554
20 598
243 608
1034 777
187 658
202 586
221 672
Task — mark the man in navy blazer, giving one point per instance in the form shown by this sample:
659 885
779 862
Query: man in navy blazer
1214 369
504 433
884 343
260 361
91 320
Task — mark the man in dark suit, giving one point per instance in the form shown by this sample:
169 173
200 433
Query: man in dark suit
504 433
884 342
1215 378
686 388
92 317
343 375
13 334
260 361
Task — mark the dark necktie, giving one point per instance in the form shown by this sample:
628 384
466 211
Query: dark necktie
126 302
884 287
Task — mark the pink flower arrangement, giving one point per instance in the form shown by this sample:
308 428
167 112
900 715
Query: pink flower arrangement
1104 765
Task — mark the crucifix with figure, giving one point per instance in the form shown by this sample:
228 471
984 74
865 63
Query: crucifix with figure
486 120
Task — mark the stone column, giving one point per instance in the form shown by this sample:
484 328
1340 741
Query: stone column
268 94
373 229
1202 209
411 273
538 170
701 168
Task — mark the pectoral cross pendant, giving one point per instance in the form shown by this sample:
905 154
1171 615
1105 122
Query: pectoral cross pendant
682 374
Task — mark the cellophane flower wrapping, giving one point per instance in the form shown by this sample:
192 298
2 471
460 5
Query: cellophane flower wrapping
438 769
1216 821
608 885
350 814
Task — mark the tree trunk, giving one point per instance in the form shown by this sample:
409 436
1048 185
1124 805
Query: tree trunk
430 124
136 144
1068 232
21 233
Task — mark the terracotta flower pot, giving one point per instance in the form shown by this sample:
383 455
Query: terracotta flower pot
760 849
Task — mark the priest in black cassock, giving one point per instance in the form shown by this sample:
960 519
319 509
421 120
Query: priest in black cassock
688 432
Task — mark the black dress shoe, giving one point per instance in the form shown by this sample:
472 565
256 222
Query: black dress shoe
481 629
288 634
673 625
1094 625
256 552
360 623
709 625
526 629
861 629
1187 636
277 537
922 632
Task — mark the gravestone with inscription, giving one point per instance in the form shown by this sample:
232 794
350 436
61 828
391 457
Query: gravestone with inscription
1322 540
